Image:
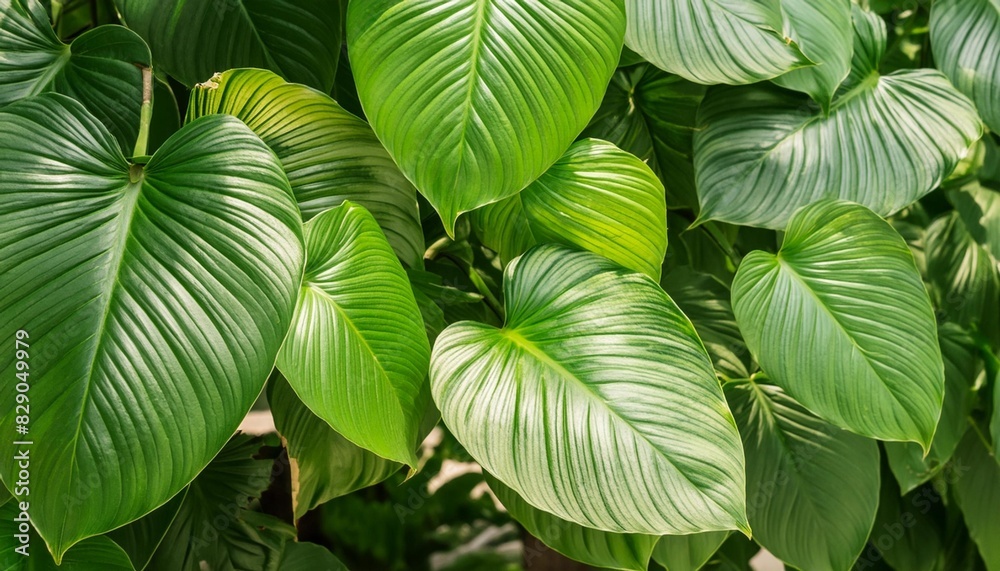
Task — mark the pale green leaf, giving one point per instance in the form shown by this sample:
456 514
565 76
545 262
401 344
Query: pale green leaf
761 153
977 489
688 552
155 299
965 36
713 41
357 353
474 99
812 488
651 114
597 198
822 29
328 154
100 69
961 365
840 319
601 549
979 208
583 402
193 39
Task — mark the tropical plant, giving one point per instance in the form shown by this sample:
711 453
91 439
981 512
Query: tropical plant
671 280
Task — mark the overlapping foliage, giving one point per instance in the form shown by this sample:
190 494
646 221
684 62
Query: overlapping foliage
686 278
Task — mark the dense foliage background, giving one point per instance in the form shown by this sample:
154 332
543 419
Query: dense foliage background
503 284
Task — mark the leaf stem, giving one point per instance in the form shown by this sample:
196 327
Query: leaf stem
145 113
489 299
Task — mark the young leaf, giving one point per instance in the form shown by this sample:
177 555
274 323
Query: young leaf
356 353
149 294
965 37
325 465
977 489
474 99
812 488
906 459
328 154
719 41
822 29
840 319
193 39
584 402
601 549
762 153
594 191
651 114
688 552
100 69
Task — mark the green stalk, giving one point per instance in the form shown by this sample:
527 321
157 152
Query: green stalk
145 114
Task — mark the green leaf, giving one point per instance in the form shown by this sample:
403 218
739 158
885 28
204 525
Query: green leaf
328 154
688 552
651 114
92 554
964 276
305 556
965 37
977 489
474 99
100 69
325 465
594 192
812 488
761 153
145 302
905 534
212 517
705 300
822 29
593 547
357 353
961 365
715 41
583 402
193 39
840 319
141 538
979 208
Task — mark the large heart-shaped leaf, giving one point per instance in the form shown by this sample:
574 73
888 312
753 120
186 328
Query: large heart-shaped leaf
583 402
328 154
154 300
965 35
840 319
822 29
713 41
357 353
193 39
602 549
474 99
99 69
812 488
909 465
761 153
596 197
651 114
